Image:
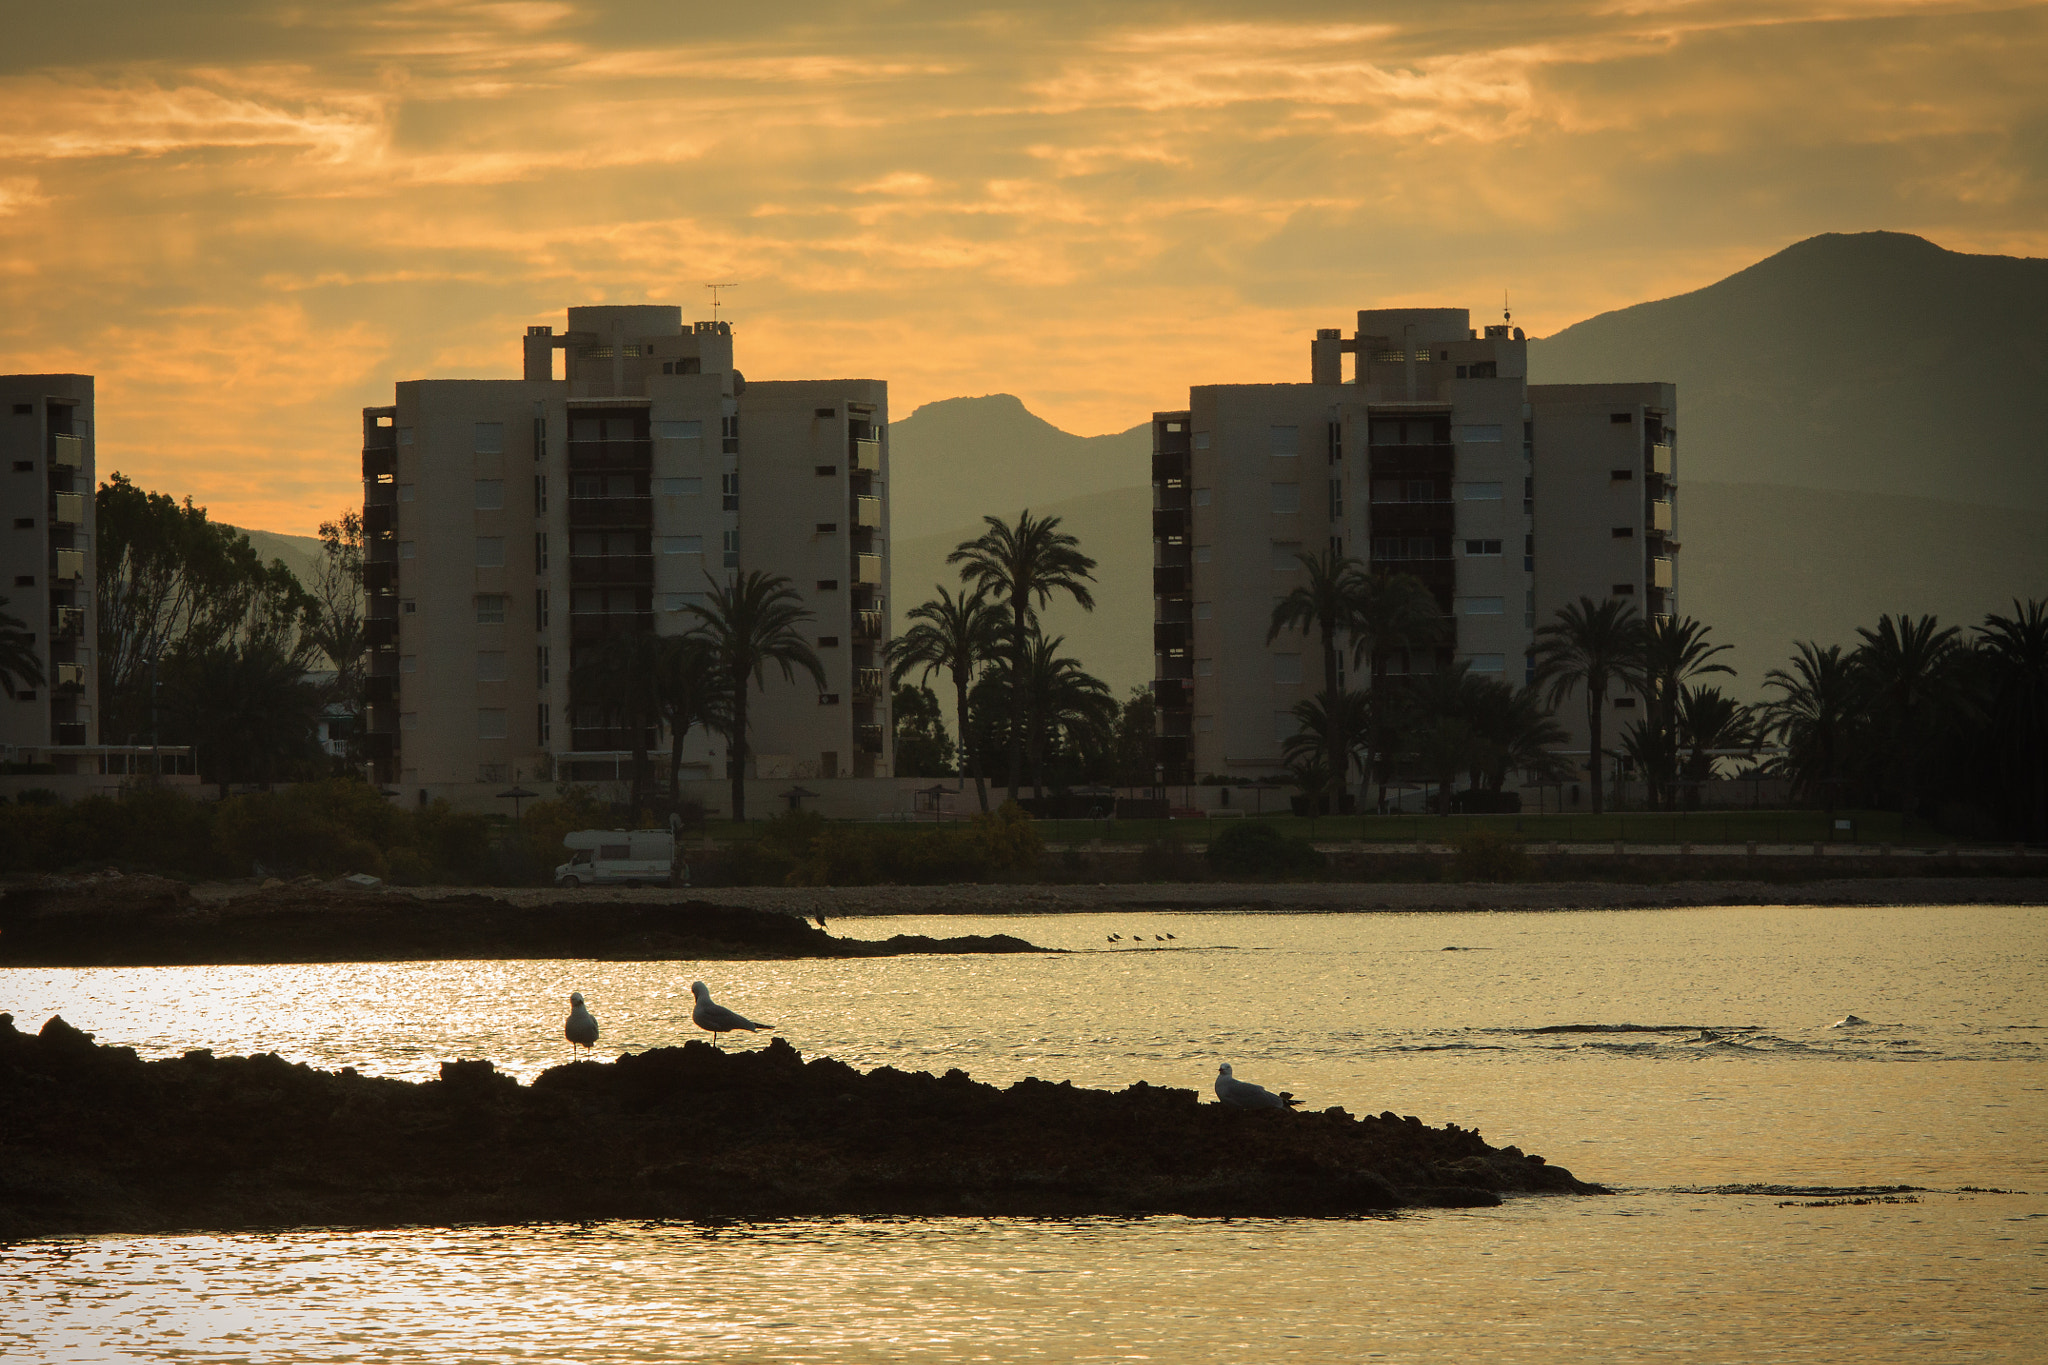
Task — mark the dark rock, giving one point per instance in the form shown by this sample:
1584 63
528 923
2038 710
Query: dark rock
94 1140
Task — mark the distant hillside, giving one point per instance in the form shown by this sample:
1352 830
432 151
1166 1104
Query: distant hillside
301 554
1766 564
1876 362
954 462
1114 642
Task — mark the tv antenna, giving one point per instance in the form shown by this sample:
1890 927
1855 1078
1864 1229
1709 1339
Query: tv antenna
1505 315
714 288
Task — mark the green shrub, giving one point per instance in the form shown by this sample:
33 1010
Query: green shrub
990 847
1487 855
1253 848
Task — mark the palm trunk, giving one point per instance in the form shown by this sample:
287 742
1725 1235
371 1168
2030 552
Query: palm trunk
1020 649
675 761
969 767
736 748
1595 698
1339 752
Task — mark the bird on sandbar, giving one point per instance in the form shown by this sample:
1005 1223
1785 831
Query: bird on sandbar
715 1018
581 1030
1116 938
1245 1095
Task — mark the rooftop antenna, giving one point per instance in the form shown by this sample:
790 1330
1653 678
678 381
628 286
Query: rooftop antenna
714 288
1505 315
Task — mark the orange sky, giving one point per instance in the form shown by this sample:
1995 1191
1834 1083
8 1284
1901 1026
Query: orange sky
249 220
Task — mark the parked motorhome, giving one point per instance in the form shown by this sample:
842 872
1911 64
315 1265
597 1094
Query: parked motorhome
614 857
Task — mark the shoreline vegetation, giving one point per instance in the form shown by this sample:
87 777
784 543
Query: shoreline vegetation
117 921
99 1141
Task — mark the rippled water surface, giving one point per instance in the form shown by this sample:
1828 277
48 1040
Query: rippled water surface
1669 1054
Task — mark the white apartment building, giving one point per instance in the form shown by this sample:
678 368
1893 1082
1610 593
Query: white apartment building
46 442
514 524
1434 457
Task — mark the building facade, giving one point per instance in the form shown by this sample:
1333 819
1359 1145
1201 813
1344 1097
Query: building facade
515 524
1434 457
46 442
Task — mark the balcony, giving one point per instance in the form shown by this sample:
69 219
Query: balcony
611 568
379 463
1170 580
1660 572
379 494
68 734
1170 468
1174 750
1169 521
1173 667
380 575
68 678
867 570
70 566
864 455
67 623
1174 694
867 512
381 690
1171 635
595 625
868 738
867 625
611 511
380 519
1659 462
1660 516
70 510
614 739
867 683
610 454
380 631
67 452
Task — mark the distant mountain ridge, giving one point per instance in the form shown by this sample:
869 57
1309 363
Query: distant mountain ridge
955 461
1876 362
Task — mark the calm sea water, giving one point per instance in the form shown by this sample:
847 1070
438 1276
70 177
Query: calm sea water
1747 1083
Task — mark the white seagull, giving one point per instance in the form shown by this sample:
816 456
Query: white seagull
714 1018
581 1030
1245 1095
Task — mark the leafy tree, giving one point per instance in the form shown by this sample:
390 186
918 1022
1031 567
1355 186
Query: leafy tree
621 681
1906 666
958 634
1593 645
1822 695
1022 567
2014 652
923 748
247 710
19 666
749 624
337 622
1133 757
1325 604
1064 705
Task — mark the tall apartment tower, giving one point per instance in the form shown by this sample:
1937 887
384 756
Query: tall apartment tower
47 445
1435 458
515 524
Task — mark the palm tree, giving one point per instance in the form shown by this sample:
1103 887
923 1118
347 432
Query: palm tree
1674 652
1021 567
2016 649
621 680
1594 644
1064 701
1823 695
749 624
1707 722
1515 730
958 634
19 666
690 690
1388 611
1319 738
1906 663
1324 604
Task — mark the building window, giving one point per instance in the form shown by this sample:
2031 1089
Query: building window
540 551
1201 440
540 666
408 549
1336 498
490 438
827 471
828 699
828 528
678 431
407 607
408 720
682 545
490 609
1621 418
1204 553
678 488
404 433
1479 492
828 585
1285 726
681 601
408 492
25 694
1286 498
825 414
1287 670
1625 703
732 549
729 485
540 608
1484 606
1286 556
729 432
1475 549
490 494
1204 610
490 722
1624 590
1201 497
1283 441
1204 724
490 665
1489 663
24 466
1624 532
542 725
490 552
24 523
1205 668
1478 434
540 494
1621 475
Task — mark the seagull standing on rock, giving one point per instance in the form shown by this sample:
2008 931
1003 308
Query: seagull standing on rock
1245 1095
716 1019
581 1030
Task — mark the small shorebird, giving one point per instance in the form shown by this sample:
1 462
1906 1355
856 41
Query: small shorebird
716 1019
581 1030
1245 1095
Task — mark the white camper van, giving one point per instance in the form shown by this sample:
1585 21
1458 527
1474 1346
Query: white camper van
618 856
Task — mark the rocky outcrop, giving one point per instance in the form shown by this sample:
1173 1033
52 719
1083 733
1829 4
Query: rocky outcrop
152 922
93 1139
